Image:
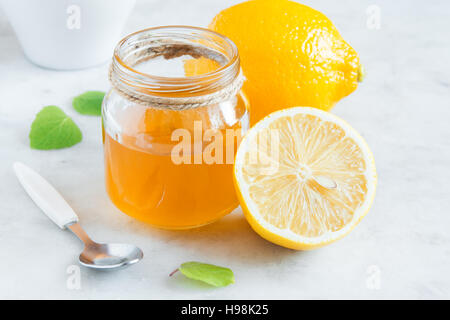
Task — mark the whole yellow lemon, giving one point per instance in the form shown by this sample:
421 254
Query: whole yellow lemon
291 55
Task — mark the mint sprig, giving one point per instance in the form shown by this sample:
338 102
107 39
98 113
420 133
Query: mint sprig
89 103
53 129
208 273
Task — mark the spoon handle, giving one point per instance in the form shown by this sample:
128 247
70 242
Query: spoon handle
45 196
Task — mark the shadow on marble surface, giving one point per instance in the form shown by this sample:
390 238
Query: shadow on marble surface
231 236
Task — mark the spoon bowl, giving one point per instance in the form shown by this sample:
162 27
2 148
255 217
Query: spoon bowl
105 256
110 256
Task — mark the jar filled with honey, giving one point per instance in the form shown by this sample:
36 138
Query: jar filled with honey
172 122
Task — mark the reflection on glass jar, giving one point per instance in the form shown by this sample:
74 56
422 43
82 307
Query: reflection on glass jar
172 122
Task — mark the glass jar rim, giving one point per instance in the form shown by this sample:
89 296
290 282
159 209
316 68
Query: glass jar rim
171 42
233 59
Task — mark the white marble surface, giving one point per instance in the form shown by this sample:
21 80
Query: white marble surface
402 109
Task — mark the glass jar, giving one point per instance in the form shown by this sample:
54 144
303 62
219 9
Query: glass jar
171 125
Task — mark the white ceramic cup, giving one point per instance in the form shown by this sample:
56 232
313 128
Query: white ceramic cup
68 34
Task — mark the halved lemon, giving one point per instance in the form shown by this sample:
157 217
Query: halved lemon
304 177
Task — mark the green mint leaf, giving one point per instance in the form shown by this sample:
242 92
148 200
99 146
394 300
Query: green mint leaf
211 274
89 103
53 129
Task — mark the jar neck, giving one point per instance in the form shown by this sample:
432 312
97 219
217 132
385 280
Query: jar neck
168 43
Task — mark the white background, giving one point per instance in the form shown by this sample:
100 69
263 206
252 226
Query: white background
402 109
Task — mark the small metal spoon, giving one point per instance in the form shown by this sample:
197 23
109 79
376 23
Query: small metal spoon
95 255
